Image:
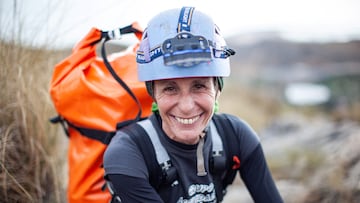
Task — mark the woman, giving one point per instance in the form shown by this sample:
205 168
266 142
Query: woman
183 58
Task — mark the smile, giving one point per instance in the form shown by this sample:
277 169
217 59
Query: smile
187 121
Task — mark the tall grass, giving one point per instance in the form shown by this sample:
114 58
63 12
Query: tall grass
32 153
31 158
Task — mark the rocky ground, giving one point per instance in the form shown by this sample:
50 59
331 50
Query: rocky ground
312 160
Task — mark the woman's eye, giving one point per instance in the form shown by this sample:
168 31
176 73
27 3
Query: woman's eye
169 89
199 86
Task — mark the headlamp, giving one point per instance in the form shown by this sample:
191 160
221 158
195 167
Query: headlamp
183 50
186 50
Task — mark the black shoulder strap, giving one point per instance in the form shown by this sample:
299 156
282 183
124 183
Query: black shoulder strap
99 135
230 141
139 135
107 36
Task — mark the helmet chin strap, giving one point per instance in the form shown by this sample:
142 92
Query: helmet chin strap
200 155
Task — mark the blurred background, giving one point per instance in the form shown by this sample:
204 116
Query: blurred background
295 79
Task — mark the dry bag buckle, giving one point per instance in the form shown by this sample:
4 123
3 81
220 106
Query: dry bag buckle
114 34
186 50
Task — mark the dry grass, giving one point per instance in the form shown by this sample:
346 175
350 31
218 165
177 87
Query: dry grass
31 162
257 108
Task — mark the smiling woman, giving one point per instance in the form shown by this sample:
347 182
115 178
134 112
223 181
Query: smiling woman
185 151
185 106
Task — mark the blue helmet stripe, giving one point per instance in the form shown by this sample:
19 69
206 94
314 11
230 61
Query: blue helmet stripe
185 19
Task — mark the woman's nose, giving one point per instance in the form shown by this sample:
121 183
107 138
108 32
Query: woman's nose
186 103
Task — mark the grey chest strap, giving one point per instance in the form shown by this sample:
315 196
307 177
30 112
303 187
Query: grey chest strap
161 154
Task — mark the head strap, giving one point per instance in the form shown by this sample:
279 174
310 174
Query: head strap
185 19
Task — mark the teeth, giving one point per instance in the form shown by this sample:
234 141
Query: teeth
187 121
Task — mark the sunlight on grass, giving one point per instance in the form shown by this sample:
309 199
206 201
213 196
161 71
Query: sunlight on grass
31 158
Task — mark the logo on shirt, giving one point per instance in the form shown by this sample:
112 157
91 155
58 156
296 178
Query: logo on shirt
200 193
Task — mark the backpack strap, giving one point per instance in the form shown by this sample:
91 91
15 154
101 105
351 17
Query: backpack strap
168 172
217 145
230 141
156 158
99 135
138 134
108 35
162 156
217 160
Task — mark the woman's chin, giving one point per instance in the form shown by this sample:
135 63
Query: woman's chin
188 137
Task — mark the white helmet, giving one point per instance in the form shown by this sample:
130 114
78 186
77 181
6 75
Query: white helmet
181 43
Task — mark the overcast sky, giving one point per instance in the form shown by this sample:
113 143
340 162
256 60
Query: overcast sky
61 23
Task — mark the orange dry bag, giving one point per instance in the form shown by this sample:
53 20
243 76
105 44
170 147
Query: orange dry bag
93 95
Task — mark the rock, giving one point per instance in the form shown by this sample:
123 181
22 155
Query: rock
318 158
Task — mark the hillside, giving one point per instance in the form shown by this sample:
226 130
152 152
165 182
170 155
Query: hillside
300 61
270 64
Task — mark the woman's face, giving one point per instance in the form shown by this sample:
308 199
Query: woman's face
185 106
